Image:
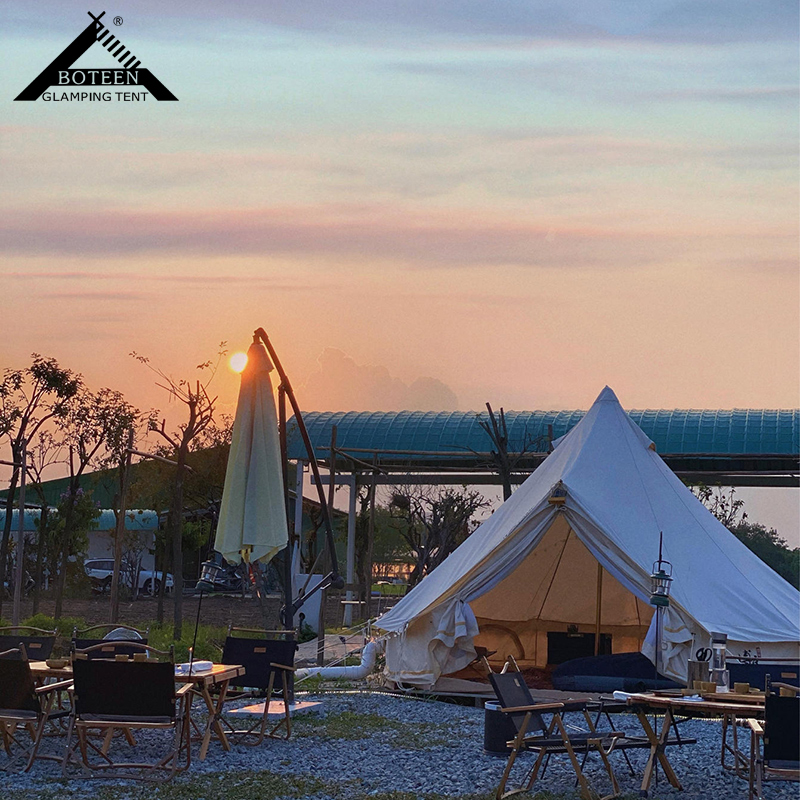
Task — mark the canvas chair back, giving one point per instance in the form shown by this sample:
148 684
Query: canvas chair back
512 691
256 655
106 649
781 729
38 643
16 683
129 689
111 647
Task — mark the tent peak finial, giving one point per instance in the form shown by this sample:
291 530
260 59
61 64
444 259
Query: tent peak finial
607 396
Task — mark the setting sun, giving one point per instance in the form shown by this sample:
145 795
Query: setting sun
238 361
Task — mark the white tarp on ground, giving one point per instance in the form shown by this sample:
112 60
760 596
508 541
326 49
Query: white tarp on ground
531 567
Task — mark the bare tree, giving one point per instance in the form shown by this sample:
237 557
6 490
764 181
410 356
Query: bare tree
199 417
29 398
434 523
504 461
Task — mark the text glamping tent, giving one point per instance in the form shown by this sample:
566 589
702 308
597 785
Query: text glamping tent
532 567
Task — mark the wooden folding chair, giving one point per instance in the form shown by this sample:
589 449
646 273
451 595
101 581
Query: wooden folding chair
545 739
136 693
269 667
87 638
775 742
23 704
38 642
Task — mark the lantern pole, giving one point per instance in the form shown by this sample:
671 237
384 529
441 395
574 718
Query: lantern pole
660 580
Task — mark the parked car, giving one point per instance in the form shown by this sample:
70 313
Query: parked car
101 570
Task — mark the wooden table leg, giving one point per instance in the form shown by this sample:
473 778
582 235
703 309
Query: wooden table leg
657 745
213 724
740 761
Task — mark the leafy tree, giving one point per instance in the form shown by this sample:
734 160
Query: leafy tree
95 425
29 398
771 548
724 505
765 542
47 451
434 522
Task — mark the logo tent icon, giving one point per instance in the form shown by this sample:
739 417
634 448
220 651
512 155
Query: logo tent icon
58 73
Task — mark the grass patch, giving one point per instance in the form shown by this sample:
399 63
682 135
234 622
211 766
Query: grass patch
208 647
245 785
352 726
209 641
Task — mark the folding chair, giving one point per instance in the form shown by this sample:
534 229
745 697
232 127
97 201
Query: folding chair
87 638
22 703
543 739
126 694
775 742
269 668
38 642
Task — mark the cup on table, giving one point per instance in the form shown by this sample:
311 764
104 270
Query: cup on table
741 688
709 687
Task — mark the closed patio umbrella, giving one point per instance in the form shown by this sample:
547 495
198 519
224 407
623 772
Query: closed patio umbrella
252 517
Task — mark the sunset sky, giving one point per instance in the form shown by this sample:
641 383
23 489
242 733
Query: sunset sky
426 204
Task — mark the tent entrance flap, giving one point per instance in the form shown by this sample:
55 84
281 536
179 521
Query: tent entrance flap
554 589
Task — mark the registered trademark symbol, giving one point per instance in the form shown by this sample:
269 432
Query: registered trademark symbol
118 20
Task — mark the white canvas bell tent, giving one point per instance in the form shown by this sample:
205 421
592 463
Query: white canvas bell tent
532 568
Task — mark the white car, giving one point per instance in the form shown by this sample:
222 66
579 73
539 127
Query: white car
101 570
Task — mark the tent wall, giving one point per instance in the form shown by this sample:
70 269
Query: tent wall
554 589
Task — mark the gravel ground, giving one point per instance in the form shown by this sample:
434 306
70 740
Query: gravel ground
359 745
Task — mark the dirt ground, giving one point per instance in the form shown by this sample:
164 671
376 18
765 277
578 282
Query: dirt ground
217 610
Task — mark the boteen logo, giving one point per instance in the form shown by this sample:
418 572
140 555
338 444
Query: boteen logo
96 84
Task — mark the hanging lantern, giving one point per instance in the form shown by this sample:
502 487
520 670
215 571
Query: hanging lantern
660 580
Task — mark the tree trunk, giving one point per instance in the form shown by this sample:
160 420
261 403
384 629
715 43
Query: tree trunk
63 553
10 497
41 546
176 531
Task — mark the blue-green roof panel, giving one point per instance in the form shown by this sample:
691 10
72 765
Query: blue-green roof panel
675 432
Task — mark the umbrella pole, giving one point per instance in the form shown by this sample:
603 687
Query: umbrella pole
196 626
288 616
261 334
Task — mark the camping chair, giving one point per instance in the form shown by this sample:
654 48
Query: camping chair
544 739
775 742
23 703
128 694
107 634
269 669
38 642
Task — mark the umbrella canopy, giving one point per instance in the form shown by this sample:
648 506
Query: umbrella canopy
252 516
